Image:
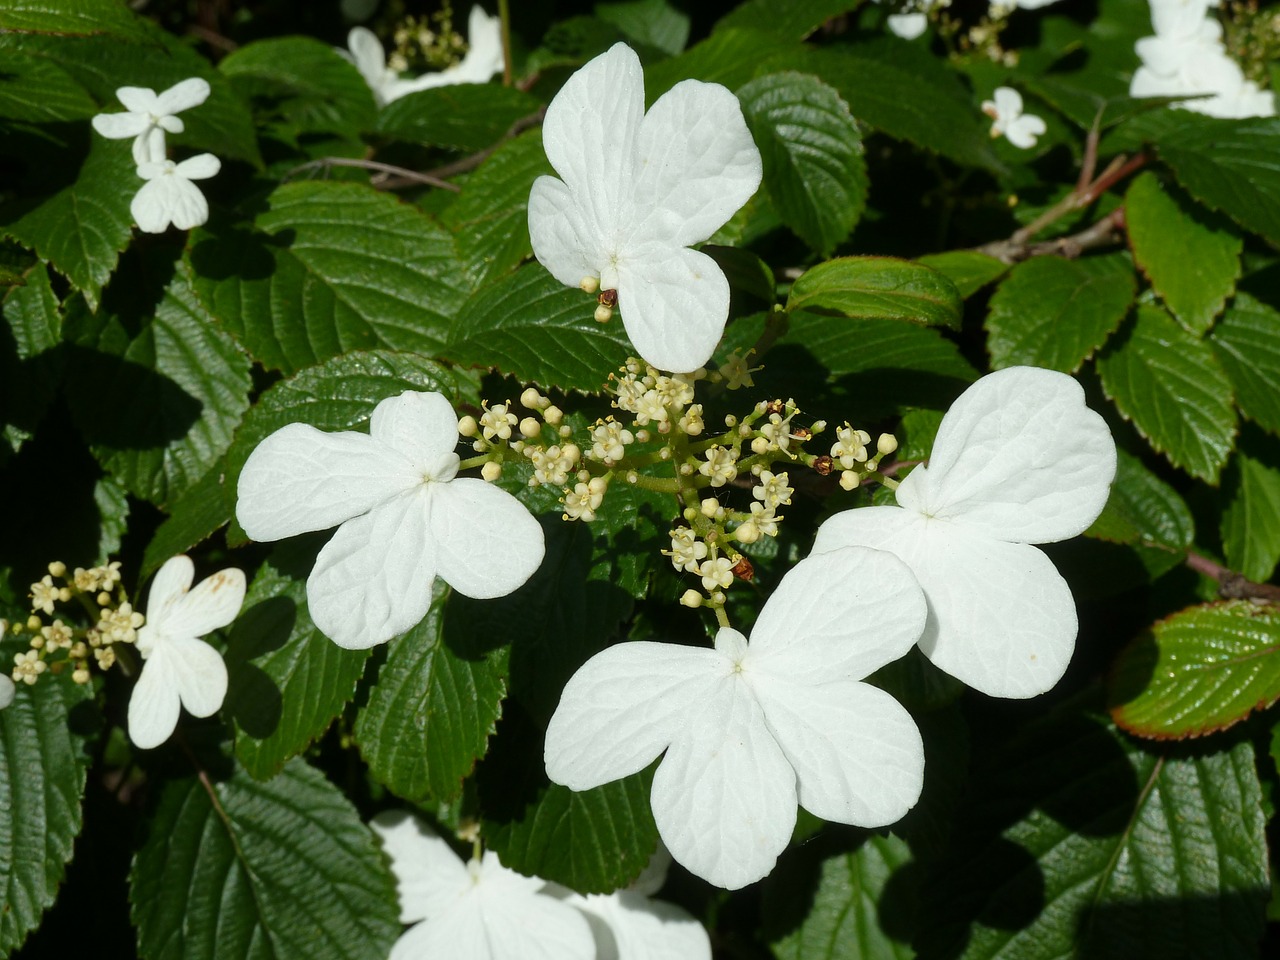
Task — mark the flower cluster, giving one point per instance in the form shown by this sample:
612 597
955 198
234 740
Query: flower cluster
482 60
1005 110
481 910
1186 57
169 196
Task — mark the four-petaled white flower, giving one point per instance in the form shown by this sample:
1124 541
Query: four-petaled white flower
404 518
169 196
1005 110
150 115
474 911
482 60
635 191
750 729
1019 460
179 668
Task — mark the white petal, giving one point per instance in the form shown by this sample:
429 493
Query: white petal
1008 103
696 164
644 929
419 425
724 796
139 100
429 875
168 587
187 206
857 753
674 304
213 604
7 691
487 542
301 479
484 48
183 96
624 706
154 705
198 673
590 131
372 581
1018 457
200 167
908 26
840 615
117 126
148 150
1023 132
564 240
151 206
1001 618
367 54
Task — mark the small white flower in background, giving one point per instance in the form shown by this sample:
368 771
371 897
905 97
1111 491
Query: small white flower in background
1019 460
751 729
402 517
1005 110
474 911
180 669
7 689
482 60
150 115
169 196
635 191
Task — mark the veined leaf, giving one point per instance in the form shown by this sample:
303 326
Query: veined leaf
883 287
83 18
654 23
794 20
38 91
730 57
1143 510
1247 343
1198 672
1251 520
196 514
969 270
464 116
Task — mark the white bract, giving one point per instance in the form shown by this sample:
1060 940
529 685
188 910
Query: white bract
404 518
150 115
750 729
482 60
1005 110
474 911
180 669
1019 460
169 196
635 191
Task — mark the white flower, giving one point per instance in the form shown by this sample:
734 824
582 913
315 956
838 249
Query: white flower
635 191
482 60
179 668
150 115
169 196
474 911
1019 460
750 729
908 26
404 518
1020 129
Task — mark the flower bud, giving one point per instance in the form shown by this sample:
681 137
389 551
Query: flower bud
848 480
553 415
710 506
747 532
602 314
491 471
886 444
589 284
759 445
691 599
532 399
529 427
468 427
57 568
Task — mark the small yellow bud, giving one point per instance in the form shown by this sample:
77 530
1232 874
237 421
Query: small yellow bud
603 313
468 427
747 532
530 427
532 399
848 480
691 599
886 444
491 471
709 507
104 599
57 568
759 445
34 623
80 676
590 285
553 415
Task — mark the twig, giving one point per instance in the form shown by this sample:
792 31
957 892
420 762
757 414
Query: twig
324 163
469 163
1232 585
1104 233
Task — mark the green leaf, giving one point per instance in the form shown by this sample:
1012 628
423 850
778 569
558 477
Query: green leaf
533 327
1198 672
1054 313
489 220
593 841
969 270
286 680
299 289
813 165
430 715
905 92
337 395
728 57
1230 165
113 517
1080 843
1247 343
1191 258
31 374
857 346
82 18
843 917
1251 520
878 287
1143 510
40 92
175 384
654 23
318 90
1172 388
82 228
194 516
43 766
464 116
273 870
794 20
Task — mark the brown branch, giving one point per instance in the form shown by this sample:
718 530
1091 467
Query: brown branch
324 163
1232 585
1106 232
